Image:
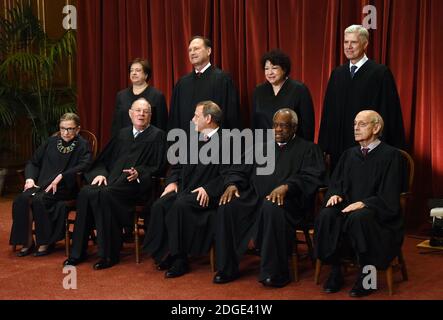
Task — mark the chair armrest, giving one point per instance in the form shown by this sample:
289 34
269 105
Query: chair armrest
79 179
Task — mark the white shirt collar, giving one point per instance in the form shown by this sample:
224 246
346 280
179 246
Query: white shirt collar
285 143
139 131
210 134
204 69
374 144
361 62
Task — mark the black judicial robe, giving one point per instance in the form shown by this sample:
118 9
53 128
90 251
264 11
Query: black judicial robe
373 87
294 95
300 165
188 227
123 103
146 154
213 84
377 180
112 205
49 210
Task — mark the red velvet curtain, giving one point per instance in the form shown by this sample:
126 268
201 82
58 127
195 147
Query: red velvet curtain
408 39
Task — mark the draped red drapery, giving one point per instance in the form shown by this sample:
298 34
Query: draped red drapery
408 39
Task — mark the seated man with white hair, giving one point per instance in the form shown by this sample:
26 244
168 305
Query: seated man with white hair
362 213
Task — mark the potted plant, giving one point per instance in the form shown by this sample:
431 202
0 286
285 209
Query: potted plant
29 62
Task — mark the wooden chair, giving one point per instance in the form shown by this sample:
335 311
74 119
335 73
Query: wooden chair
399 261
307 228
158 184
71 204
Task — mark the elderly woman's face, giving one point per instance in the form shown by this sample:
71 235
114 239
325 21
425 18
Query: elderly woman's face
68 130
274 73
137 74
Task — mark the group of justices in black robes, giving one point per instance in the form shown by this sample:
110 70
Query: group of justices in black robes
50 179
118 178
362 218
357 85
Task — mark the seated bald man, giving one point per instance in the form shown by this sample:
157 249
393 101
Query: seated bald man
362 213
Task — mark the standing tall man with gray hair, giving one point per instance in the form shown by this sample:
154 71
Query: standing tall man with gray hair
355 86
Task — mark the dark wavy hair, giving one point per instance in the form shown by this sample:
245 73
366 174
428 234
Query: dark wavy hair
277 58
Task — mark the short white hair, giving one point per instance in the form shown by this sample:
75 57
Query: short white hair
363 33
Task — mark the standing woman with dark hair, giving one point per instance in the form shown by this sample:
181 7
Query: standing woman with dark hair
50 178
279 91
140 74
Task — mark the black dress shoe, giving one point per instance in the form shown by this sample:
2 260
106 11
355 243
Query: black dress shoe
358 290
74 261
178 268
221 277
334 282
48 250
27 251
276 281
104 264
165 264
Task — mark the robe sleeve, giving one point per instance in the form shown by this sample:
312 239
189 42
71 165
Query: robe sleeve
100 167
84 161
336 181
162 113
386 201
230 103
327 115
306 115
390 110
254 108
116 120
157 160
174 112
32 169
310 176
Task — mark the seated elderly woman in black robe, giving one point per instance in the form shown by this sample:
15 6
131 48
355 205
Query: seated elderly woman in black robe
50 179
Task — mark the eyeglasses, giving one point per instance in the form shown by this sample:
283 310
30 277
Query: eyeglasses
362 124
68 130
141 111
282 125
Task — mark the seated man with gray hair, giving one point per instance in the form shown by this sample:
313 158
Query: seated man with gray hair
362 213
266 208
119 177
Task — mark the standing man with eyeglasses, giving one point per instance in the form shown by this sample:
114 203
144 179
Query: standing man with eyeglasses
357 85
205 82
120 175
362 215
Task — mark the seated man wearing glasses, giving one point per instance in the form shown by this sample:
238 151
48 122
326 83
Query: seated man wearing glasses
362 212
267 208
120 175
50 179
